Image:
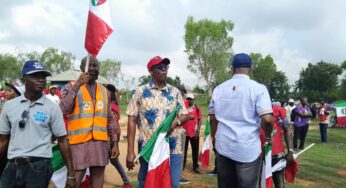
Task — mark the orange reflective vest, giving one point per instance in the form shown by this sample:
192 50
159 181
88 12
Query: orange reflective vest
88 121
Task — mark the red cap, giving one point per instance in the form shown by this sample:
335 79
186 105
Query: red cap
157 60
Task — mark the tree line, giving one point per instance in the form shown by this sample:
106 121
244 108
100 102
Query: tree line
208 45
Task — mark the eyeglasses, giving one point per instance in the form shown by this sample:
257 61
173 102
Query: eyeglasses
161 66
22 122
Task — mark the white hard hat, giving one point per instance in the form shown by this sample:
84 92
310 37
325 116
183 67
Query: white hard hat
290 100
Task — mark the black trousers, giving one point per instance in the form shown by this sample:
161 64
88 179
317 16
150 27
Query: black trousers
194 141
300 134
235 174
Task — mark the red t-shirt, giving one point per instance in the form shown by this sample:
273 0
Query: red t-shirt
191 125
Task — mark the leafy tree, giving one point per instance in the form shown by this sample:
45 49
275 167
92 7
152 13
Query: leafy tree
129 84
56 61
198 89
278 87
318 81
145 79
342 90
263 69
10 67
110 69
208 47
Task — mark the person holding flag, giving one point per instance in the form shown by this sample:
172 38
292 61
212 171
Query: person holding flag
280 130
91 123
235 109
151 108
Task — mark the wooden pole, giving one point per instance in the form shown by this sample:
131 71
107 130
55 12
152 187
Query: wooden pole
86 68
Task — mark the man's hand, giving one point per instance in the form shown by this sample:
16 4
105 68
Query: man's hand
191 117
115 150
173 126
130 160
289 157
71 183
83 78
196 134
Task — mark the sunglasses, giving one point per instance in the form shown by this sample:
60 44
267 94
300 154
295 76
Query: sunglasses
161 66
22 122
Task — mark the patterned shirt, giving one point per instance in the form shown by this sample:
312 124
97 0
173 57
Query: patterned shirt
152 105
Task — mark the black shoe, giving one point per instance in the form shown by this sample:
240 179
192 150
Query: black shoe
212 173
196 170
183 181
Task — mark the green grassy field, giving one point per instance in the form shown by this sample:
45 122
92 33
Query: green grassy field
321 166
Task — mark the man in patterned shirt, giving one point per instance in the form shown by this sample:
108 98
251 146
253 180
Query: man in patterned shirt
147 109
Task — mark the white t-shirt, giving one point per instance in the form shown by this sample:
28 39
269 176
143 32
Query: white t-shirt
53 98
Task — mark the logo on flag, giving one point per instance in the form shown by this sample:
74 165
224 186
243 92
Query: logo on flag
97 2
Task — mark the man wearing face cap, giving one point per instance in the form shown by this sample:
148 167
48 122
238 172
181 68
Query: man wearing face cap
148 108
91 123
235 110
27 124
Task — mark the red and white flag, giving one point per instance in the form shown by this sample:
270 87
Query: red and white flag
267 179
204 157
156 152
99 26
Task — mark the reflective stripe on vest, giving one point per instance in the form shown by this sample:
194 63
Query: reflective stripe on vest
88 121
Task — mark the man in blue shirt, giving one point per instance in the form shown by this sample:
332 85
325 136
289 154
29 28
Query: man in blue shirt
236 109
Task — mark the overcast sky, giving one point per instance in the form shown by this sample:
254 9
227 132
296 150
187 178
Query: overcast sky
293 32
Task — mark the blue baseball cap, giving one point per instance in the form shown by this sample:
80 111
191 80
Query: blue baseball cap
241 61
34 66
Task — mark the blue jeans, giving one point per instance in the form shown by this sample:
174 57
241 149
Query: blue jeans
175 169
323 131
29 175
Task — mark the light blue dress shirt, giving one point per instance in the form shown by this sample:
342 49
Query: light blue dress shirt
238 104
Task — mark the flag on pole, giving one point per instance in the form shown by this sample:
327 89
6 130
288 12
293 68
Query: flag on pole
59 176
156 152
341 112
204 157
267 180
99 26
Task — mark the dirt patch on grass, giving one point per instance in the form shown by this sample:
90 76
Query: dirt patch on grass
342 171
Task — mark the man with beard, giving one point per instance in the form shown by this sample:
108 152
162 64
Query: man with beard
26 126
148 108
87 105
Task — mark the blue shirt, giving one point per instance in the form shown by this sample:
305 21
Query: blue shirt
238 104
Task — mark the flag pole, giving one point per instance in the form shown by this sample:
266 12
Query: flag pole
136 159
282 163
304 150
86 68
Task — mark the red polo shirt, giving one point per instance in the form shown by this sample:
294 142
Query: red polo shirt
191 125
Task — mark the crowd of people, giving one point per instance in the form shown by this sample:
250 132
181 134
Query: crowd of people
242 115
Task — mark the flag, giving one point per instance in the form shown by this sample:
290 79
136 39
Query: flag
156 152
291 171
267 180
341 112
204 157
99 26
59 176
